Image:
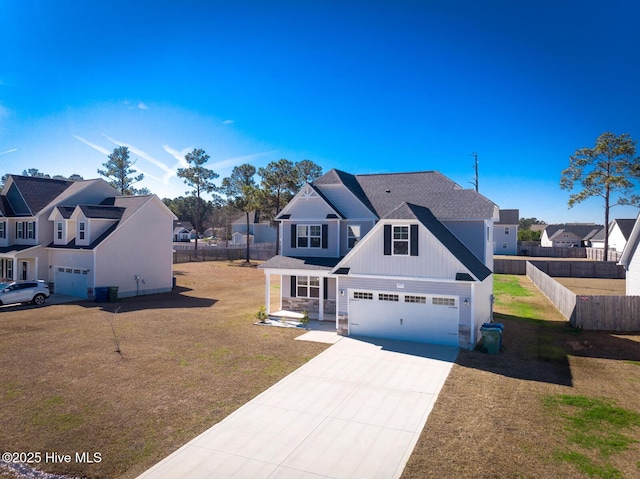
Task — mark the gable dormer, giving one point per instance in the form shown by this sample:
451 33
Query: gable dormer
64 230
310 225
91 221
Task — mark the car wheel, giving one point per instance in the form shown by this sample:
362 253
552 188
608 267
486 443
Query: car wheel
39 299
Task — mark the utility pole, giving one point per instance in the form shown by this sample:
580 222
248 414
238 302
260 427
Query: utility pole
475 167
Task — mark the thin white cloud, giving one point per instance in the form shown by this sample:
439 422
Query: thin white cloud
178 155
8 151
142 154
93 145
228 122
143 106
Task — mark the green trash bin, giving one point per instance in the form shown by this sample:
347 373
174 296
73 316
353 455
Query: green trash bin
113 294
491 339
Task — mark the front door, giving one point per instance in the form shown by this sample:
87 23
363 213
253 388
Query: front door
25 271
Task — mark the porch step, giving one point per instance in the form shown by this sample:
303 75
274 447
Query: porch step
286 315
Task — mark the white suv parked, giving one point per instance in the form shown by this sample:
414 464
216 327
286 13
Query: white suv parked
24 292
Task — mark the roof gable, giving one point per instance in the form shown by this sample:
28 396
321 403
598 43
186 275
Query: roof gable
307 203
29 195
443 236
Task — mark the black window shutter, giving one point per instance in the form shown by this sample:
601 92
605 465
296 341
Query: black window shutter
294 239
414 240
294 286
326 288
387 240
325 236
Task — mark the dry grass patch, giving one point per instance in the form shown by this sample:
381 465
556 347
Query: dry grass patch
188 359
595 286
506 416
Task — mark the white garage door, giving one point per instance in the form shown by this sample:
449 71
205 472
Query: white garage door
71 281
408 317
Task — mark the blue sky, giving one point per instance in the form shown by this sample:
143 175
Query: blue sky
366 87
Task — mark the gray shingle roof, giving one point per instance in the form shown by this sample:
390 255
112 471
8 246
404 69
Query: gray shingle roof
509 217
625 225
583 231
444 235
382 193
39 192
308 263
102 211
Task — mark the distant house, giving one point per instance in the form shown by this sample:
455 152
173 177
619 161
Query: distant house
404 256
82 235
505 232
260 230
619 232
631 260
182 231
569 235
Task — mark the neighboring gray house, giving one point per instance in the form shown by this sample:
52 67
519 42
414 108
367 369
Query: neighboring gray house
82 235
260 230
505 232
569 235
403 256
619 232
182 231
631 260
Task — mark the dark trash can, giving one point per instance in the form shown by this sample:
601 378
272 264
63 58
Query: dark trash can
113 294
498 326
101 294
492 337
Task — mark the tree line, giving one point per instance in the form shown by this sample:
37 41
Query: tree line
267 189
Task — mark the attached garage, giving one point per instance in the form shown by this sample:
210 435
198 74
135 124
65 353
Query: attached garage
408 317
71 281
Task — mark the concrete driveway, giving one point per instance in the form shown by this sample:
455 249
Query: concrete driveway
354 411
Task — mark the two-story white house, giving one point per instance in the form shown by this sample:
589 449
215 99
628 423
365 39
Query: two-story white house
82 235
505 234
401 256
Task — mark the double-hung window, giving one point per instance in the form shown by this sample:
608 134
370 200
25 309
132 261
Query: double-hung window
309 236
401 240
3 229
308 287
353 235
59 230
82 230
31 230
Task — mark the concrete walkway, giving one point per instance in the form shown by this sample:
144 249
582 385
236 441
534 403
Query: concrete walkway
354 411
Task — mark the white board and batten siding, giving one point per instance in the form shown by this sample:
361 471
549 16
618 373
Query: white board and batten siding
633 274
434 260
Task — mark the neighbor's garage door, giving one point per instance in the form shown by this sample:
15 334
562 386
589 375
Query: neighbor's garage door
70 281
408 317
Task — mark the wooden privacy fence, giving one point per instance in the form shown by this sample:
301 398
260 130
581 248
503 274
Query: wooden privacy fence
602 313
552 251
563 298
561 269
220 254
